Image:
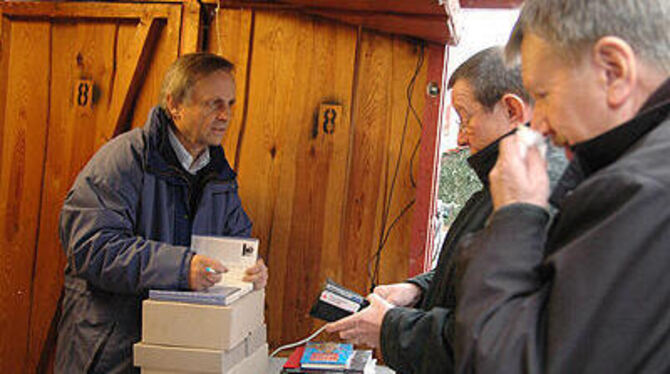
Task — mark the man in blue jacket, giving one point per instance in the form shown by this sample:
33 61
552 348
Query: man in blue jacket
127 222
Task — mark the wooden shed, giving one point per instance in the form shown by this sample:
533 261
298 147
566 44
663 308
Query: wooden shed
324 189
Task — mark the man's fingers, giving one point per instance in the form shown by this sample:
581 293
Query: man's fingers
213 278
343 324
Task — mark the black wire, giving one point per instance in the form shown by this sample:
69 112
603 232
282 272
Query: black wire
384 233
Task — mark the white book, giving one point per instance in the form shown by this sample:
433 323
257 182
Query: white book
235 253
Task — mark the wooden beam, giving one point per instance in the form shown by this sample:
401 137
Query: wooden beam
191 32
426 189
430 28
432 23
132 67
60 10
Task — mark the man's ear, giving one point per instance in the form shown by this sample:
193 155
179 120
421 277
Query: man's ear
515 110
616 60
173 107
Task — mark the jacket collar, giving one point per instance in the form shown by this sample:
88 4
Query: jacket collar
161 159
483 161
603 150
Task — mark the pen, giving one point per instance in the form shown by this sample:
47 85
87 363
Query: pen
210 270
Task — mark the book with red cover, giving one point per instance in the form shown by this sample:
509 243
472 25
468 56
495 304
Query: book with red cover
292 365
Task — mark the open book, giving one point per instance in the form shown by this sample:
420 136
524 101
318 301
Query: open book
236 254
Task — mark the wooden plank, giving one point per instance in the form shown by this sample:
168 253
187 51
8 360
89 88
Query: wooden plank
426 191
24 128
291 178
387 6
191 28
424 20
430 28
78 10
131 67
81 50
5 40
408 74
165 51
367 175
231 36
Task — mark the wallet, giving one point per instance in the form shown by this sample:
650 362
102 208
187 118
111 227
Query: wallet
336 302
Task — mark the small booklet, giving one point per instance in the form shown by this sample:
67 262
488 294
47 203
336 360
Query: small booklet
361 363
236 254
327 356
217 295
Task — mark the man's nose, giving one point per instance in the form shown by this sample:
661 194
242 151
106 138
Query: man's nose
538 123
462 138
223 113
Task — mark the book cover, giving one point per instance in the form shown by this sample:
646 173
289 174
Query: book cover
327 356
217 295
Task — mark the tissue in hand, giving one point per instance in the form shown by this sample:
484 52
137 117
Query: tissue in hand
530 138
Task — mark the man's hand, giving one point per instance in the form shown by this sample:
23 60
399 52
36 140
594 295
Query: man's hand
399 294
363 327
258 274
199 278
519 180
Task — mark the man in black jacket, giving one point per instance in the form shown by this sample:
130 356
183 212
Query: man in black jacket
490 101
592 294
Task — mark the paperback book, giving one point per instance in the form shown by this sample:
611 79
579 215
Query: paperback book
327 356
236 254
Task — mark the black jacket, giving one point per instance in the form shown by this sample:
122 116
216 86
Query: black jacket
593 294
420 340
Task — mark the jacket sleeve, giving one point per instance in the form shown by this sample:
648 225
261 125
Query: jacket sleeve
97 233
416 341
572 308
423 281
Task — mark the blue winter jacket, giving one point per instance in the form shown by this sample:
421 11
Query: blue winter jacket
125 227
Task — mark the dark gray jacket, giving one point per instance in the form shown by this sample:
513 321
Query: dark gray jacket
421 340
125 227
592 295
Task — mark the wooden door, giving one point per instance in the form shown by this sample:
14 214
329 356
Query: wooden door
71 77
319 199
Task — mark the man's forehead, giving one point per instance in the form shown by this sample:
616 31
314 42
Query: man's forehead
217 83
534 58
462 92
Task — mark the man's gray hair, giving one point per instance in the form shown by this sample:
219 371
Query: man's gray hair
575 25
185 72
489 77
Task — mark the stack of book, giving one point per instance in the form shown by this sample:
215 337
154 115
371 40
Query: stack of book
221 330
329 358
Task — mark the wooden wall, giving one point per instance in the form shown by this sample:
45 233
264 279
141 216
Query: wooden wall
45 139
318 200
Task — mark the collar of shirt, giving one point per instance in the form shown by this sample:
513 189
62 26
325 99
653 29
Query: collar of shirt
185 158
